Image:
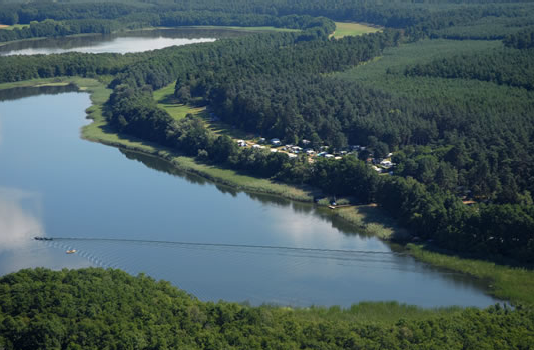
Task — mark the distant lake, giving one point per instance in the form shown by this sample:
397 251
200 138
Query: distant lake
127 42
130 211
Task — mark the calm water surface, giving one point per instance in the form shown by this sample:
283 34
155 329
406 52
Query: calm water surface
125 210
128 42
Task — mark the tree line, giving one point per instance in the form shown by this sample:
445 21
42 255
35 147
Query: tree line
95 309
53 20
521 40
502 66
486 20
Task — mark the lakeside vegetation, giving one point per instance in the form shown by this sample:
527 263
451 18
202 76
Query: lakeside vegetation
515 284
115 310
100 131
369 219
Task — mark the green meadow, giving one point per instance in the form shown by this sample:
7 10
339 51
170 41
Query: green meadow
352 29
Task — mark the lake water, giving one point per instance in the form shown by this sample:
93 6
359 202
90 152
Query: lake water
127 42
130 211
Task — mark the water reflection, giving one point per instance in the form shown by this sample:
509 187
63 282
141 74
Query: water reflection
266 199
163 166
370 273
127 42
20 213
22 92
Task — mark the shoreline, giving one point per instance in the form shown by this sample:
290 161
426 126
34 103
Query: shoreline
507 283
265 29
367 218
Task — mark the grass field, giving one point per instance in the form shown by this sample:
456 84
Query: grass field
166 101
353 29
19 26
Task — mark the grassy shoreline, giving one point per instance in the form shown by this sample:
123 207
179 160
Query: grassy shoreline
514 284
367 218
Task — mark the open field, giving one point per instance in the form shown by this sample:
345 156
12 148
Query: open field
166 101
19 26
353 29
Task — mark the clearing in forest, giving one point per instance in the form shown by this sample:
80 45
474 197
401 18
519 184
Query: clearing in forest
19 26
353 29
166 100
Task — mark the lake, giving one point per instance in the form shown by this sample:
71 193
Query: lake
125 42
130 211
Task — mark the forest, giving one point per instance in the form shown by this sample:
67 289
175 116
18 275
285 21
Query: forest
109 309
291 86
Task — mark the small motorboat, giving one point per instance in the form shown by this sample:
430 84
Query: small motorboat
71 251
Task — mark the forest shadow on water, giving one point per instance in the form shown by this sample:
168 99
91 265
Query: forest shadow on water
16 93
324 214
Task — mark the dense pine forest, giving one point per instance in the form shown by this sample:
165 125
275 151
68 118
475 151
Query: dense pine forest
109 309
444 91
